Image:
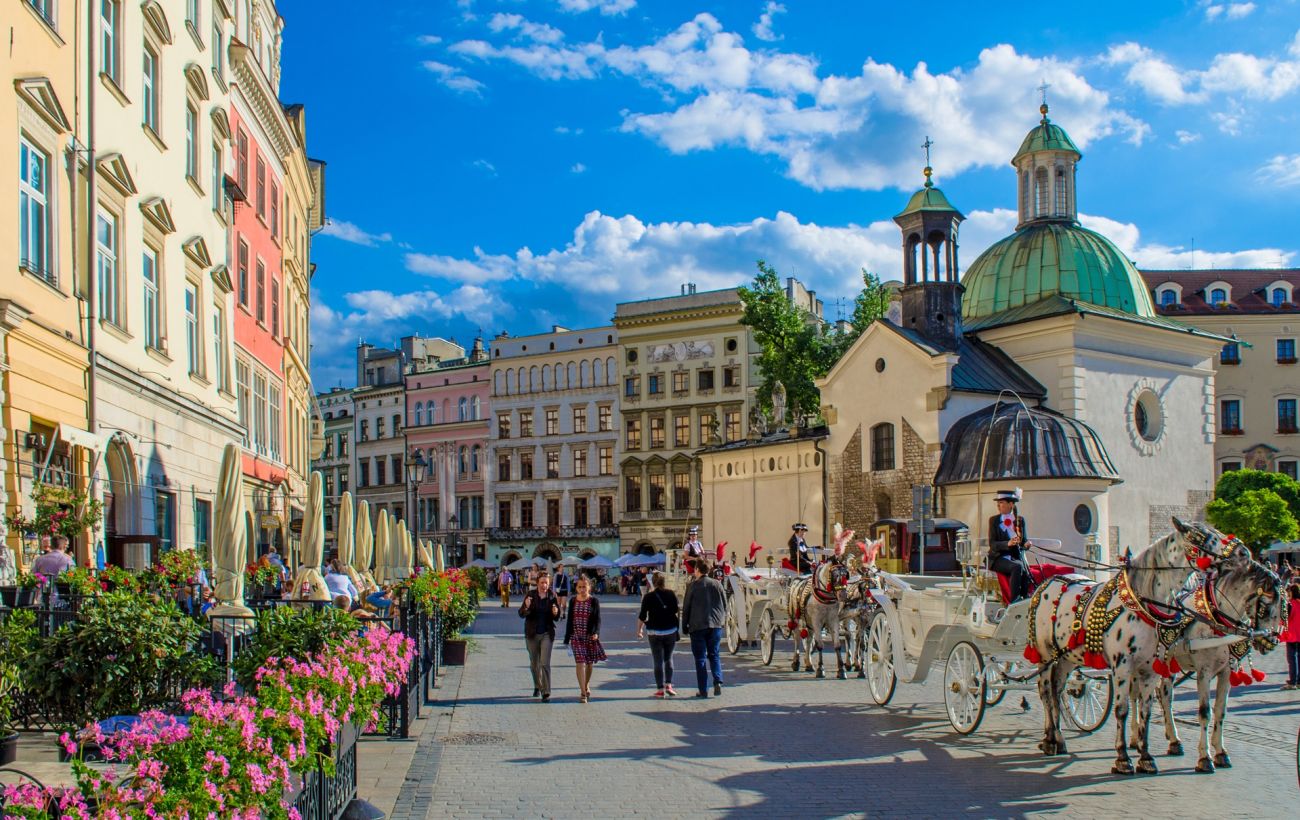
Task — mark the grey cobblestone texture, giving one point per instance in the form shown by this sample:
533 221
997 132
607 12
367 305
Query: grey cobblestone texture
782 744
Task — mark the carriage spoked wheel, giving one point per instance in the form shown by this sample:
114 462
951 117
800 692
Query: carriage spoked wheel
878 656
1087 700
767 636
995 681
732 628
964 687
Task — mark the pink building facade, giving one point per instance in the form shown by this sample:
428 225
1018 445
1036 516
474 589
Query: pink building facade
447 424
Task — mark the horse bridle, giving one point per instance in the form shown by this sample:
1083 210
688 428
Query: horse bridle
839 579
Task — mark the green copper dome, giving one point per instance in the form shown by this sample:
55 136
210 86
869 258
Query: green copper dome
1046 136
1044 259
928 198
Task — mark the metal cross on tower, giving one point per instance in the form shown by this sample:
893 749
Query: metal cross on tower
926 145
1042 89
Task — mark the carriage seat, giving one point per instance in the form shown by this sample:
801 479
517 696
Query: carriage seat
1038 572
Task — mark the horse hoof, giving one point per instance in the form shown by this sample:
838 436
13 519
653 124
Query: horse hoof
794 667
862 674
1122 767
1060 747
1204 766
821 673
1051 748
840 675
1175 749
1222 760
1147 765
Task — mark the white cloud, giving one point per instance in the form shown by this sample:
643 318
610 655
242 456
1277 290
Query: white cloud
578 168
1153 75
1127 237
348 232
453 78
609 8
1228 11
485 166
763 28
854 131
528 30
1186 137
1229 121
428 39
1230 74
564 129
1281 170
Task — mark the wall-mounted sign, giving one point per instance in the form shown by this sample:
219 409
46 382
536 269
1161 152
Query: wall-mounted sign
679 351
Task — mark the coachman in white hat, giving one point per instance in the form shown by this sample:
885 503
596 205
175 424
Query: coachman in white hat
1007 539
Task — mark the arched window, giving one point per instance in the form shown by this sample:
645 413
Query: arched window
473 459
584 373
474 408
534 381
1024 195
1168 297
419 413
597 372
463 460
462 409
573 376
547 384
882 447
498 383
1218 296
1041 199
1277 297
1062 192
610 376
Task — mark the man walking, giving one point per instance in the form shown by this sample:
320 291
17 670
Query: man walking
540 611
703 615
504 580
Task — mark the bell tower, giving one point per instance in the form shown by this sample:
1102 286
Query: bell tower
931 294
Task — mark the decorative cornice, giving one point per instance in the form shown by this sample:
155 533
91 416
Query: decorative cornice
113 166
38 92
221 278
221 122
196 248
12 314
155 209
266 107
156 20
197 81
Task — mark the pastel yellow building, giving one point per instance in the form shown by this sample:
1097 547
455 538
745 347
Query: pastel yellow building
43 355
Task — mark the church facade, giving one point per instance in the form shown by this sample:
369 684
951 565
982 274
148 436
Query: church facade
1045 366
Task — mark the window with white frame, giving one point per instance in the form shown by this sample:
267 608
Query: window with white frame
149 92
218 66
106 266
243 399
241 273
218 192
241 160
259 413
275 210
152 308
34 222
261 188
273 422
219 346
110 36
191 143
193 348
275 307
45 8
192 13
1218 296
1168 297
261 292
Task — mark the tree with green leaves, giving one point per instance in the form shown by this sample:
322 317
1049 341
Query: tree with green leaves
1258 517
796 347
1235 482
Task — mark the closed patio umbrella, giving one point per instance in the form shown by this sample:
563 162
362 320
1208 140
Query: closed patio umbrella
346 540
229 537
365 548
308 585
522 563
440 557
406 553
426 559
383 541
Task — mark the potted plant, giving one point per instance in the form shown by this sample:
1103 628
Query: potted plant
17 637
31 585
261 580
447 594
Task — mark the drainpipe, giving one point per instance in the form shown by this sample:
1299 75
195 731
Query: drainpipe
92 295
826 498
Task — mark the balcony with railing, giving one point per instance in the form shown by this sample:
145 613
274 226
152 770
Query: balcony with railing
565 532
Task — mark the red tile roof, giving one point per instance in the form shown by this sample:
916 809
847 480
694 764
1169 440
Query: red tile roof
1247 295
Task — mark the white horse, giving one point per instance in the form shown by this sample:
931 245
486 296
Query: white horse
814 604
1238 606
859 606
1119 624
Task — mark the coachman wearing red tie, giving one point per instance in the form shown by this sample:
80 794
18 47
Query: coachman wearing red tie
1007 538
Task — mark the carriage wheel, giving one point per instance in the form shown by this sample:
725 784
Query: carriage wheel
1087 700
879 659
732 628
995 681
963 687
767 635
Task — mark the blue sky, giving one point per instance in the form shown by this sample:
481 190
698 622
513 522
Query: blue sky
509 164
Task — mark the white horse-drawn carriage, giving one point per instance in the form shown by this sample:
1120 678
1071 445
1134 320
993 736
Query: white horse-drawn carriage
964 623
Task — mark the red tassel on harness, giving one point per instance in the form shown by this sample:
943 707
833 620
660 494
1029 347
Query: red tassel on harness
1259 675
790 625
803 633
1033 655
1174 668
1094 660
1203 563
1160 668
1076 640
1234 678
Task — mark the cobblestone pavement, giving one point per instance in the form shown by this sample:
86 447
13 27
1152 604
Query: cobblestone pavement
782 744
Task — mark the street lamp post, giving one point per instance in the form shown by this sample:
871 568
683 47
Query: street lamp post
417 470
454 537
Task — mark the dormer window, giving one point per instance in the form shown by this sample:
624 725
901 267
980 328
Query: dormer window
1279 293
1168 298
1277 298
1218 297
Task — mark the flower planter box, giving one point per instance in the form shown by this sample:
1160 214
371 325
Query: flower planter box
8 749
453 651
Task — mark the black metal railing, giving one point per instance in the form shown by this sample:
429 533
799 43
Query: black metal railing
326 797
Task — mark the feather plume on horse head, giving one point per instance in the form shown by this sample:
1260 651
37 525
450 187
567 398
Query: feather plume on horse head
721 546
753 549
869 551
842 538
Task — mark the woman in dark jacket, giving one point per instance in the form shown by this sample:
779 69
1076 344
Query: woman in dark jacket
659 619
583 635
540 610
1007 541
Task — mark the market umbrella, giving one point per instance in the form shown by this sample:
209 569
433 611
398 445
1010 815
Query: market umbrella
230 539
308 585
383 544
627 560
403 554
426 557
597 562
570 561
656 560
365 547
441 557
346 539
482 563
522 563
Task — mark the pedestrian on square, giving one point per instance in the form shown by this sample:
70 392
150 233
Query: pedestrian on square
582 635
659 620
340 586
504 580
540 610
563 587
703 614
1291 635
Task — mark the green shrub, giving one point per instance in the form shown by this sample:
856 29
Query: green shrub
478 577
292 632
125 652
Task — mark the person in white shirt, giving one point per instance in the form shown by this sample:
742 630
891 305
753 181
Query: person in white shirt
693 550
340 586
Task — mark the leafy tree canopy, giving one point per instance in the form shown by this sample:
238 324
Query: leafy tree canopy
1235 482
1258 517
796 348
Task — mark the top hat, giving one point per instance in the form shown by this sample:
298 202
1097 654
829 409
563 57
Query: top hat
1008 495
693 531
800 526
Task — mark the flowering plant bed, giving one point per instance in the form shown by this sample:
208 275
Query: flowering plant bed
59 511
450 594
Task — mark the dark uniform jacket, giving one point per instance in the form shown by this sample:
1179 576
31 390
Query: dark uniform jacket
800 559
999 543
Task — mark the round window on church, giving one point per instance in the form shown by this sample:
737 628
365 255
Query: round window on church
1083 519
1148 419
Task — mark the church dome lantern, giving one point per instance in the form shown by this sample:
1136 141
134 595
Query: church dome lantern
1045 173
931 293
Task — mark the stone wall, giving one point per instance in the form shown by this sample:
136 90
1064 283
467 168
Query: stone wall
1159 520
858 495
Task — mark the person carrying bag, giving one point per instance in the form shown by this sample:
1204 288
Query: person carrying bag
658 619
